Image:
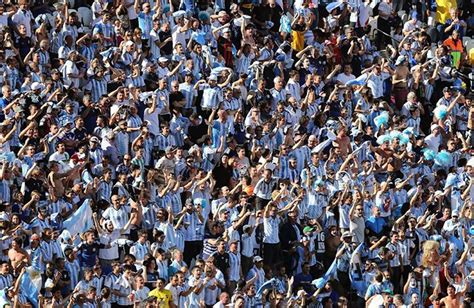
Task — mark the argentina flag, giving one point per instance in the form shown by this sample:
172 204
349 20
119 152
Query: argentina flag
28 288
81 220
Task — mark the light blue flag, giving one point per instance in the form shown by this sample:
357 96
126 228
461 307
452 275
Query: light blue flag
272 283
80 221
359 81
333 5
29 289
199 37
331 273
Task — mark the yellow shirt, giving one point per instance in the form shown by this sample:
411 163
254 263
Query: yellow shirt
164 297
442 9
298 40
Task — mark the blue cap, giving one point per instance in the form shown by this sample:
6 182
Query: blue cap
280 58
414 15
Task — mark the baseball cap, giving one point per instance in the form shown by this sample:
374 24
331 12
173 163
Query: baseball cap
347 234
257 259
36 86
308 229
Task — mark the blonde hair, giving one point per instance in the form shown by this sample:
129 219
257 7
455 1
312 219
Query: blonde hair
430 250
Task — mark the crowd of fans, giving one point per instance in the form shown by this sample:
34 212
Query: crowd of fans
236 153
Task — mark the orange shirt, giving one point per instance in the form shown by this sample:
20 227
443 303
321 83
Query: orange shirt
454 45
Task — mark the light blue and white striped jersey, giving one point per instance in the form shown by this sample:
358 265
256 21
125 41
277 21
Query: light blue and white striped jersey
47 251
104 191
293 175
134 121
137 81
145 22
211 97
415 124
122 142
6 281
55 41
139 250
235 263
163 99
63 52
264 189
107 30
36 255
59 206
88 52
96 155
124 287
68 30
5 190
149 215
189 93
293 89
194 229
12 77
154 39
300 154
243 63
220 130
162 269
74 269
277 96
121 190
283 168
98 87
39 224
57 250
162 141
175 199
109 282
199 63
148 150
315 202
44 59
270 230
127 60
119 217
179 126
233 104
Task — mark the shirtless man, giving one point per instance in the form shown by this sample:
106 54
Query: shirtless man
343 142
453 299
399 81
16 254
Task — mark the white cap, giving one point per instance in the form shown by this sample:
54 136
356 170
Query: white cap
36 86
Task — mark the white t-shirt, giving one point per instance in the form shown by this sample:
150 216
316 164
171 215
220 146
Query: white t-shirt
433 142
132 14
153 119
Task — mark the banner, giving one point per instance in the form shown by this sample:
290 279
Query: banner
29 289
330 274
442 10
80 221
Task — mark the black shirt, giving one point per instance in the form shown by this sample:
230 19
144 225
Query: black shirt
195 132
222 262
167 49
